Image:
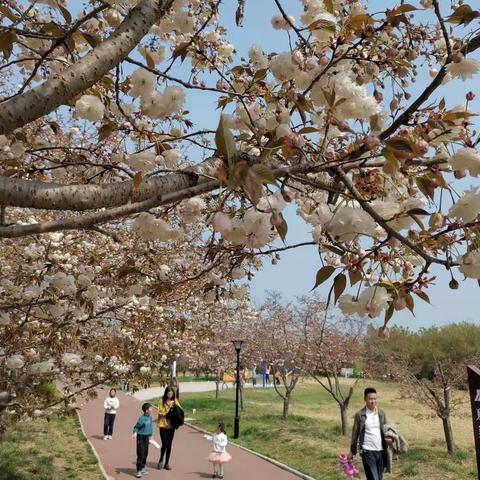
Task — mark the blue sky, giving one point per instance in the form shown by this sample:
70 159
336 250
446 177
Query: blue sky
295 273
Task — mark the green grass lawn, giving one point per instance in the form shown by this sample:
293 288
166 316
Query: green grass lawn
42 450
310 439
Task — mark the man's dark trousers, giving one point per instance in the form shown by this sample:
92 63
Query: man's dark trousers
373 464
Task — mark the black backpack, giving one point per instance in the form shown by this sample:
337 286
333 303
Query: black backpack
176 416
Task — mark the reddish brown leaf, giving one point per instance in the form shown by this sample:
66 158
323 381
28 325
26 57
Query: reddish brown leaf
323 274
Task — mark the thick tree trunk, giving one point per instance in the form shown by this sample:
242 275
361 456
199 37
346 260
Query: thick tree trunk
217 387
18 192
344 417
58 90
88 220
447 429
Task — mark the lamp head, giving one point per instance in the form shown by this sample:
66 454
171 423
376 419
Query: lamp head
237 344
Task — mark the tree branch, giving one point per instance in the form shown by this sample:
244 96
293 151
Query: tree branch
57 91
94 218
384 224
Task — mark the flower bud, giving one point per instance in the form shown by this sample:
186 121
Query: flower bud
453 284
436 221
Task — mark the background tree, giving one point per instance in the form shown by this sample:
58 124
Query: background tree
275 340
430 365
330 344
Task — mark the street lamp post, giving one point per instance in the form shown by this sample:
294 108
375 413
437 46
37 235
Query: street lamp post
238 346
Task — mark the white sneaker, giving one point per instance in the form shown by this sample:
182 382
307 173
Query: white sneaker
105 437
109 437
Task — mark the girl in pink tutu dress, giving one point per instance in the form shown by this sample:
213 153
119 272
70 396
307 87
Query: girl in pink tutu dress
219 456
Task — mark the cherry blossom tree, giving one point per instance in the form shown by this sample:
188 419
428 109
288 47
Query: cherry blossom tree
94 129
226 321
84 308
274 338
330 344
347 120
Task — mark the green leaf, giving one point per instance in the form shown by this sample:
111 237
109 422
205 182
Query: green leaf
391 159
323 274
7 40
405 8
339 284
334 249
359 22
426 186
223 101
225 142
253 187
463 15
260 74
160 147
323 25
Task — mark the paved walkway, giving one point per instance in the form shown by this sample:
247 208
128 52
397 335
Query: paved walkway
186 387
189 454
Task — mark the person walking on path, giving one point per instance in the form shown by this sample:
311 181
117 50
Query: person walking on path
368 437
264 373
111 405
142 431
254 376
267 375
167 431
219 455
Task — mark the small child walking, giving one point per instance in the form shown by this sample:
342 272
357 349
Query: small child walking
219 456
142 431
111 405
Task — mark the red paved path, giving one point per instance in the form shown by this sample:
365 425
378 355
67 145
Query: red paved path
189 453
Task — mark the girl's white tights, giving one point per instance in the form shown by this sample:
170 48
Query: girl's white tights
218 469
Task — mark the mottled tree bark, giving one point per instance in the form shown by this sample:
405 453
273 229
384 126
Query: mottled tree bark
57 91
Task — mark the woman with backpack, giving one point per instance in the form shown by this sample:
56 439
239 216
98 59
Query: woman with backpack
170 417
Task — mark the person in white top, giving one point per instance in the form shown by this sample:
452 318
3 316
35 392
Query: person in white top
111 405
368 438
219 456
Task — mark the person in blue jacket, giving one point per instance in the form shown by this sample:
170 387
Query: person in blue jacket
142 431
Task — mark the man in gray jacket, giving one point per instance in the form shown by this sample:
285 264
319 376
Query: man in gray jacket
367 436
